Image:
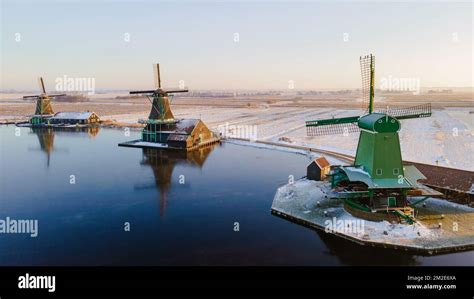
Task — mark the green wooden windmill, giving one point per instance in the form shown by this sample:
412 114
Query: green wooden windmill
43 109
160 117
163 130
159 98
376 186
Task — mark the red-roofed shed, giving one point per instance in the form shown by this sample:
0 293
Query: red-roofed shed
318 169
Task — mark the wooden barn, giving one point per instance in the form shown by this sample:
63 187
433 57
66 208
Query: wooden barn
74 118
182 134
318 169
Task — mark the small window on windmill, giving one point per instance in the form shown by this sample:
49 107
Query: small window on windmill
392 201
396 171
378 171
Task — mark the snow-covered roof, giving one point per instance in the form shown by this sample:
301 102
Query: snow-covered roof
177 137
186 125
182 126
41 115
72 115
358 174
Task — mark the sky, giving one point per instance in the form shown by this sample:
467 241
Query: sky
234 44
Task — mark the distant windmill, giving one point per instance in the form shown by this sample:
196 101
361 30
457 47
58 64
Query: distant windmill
43 104
162 130
377 181
159 99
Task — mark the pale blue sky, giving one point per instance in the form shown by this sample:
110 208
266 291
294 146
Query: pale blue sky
194 42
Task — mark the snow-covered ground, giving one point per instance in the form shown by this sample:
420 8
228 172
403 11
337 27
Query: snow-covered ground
310 202
446 138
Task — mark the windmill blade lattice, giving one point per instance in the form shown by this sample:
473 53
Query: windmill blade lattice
423 110
367 68
332 126
334 129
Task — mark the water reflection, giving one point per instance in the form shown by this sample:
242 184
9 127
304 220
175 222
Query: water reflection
163 162
46 137
350 253
78 224
46 141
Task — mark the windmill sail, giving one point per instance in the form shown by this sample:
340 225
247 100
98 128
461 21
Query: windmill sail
41 85
332 126
418 111
334 129
156 73
367 69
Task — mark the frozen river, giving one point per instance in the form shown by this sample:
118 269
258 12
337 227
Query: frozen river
99 204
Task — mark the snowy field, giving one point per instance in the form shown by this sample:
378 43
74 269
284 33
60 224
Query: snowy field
446 138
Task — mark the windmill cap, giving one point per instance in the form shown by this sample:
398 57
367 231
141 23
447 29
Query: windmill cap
379 122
